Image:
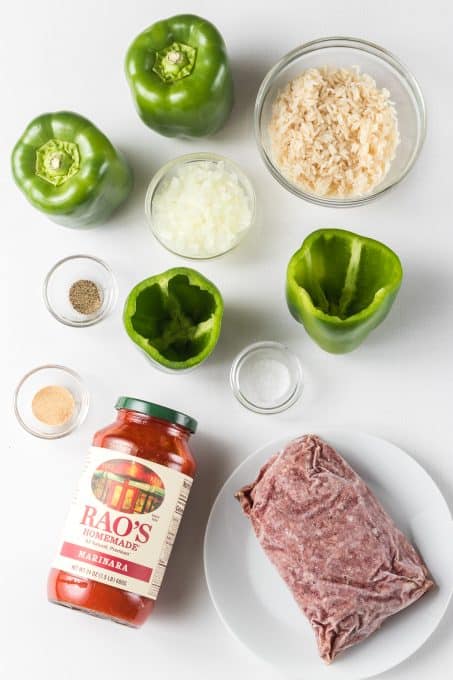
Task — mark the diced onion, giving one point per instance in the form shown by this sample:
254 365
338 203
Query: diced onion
201 211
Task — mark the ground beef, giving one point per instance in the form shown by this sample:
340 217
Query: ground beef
347 565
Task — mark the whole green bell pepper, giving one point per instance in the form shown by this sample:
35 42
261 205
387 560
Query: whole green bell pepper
180 77
69 170
174 317
340 286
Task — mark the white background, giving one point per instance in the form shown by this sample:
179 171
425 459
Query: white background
56 54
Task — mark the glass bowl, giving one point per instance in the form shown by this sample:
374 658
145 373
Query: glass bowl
59 280
46 376
387 71
266 377
165 174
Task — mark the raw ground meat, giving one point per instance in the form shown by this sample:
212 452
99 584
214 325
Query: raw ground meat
347 565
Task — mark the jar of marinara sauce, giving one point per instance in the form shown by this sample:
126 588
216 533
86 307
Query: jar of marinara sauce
125 514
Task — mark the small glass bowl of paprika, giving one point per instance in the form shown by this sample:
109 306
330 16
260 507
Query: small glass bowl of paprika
80 290
51 401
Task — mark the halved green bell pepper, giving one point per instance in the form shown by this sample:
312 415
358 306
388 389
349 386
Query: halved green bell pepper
180 77
175 317
69 170
340 286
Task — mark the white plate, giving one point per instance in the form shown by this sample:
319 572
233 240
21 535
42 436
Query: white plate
254 603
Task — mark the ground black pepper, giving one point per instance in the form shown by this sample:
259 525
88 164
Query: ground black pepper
85 297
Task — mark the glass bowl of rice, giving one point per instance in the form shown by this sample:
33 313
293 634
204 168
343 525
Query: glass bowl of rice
339 121
200 205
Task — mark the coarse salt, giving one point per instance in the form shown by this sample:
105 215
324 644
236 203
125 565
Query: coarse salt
265 381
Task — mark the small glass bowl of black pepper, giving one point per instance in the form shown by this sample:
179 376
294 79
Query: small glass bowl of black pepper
80 290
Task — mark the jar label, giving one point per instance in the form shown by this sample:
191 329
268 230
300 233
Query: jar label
123 521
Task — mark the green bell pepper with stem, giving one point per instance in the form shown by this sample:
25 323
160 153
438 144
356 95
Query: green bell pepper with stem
340 286
174 317
180 77
69 170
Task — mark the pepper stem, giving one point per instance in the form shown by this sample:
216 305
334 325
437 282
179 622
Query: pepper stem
174 57
174 62
55 161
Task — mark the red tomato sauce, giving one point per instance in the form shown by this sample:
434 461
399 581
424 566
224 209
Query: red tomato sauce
152 439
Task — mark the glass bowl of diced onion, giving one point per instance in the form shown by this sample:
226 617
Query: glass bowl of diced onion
303 170
200 205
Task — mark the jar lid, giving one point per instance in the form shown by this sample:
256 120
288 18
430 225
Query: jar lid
157 411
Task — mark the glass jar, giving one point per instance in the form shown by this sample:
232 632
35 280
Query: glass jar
125 515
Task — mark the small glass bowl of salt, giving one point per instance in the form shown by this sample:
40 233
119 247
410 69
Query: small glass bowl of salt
200 205
266 377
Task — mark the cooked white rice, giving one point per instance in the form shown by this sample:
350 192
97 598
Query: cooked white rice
333 132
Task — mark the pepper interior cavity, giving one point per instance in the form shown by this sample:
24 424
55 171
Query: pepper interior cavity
340 286
175 317
342 275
